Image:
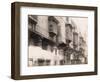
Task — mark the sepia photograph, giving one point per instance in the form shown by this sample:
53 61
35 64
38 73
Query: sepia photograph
50 40
57 40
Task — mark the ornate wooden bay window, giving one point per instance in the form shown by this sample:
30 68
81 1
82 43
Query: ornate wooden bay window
31 27
32 21
53 24
68 33
53 27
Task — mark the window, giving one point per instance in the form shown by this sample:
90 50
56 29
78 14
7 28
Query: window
41 62
75 39
44 45
47 62
53 24
68 32
37 41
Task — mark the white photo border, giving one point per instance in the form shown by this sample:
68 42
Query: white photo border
25 70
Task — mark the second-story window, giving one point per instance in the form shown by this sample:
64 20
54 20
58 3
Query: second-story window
68 32
53 27
53 24
75 39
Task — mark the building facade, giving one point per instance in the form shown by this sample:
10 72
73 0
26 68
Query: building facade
53 40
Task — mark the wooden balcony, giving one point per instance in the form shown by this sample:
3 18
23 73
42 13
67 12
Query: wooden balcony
42 32
53 25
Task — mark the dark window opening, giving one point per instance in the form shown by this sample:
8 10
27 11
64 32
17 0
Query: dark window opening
47 62
44 45
41 62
